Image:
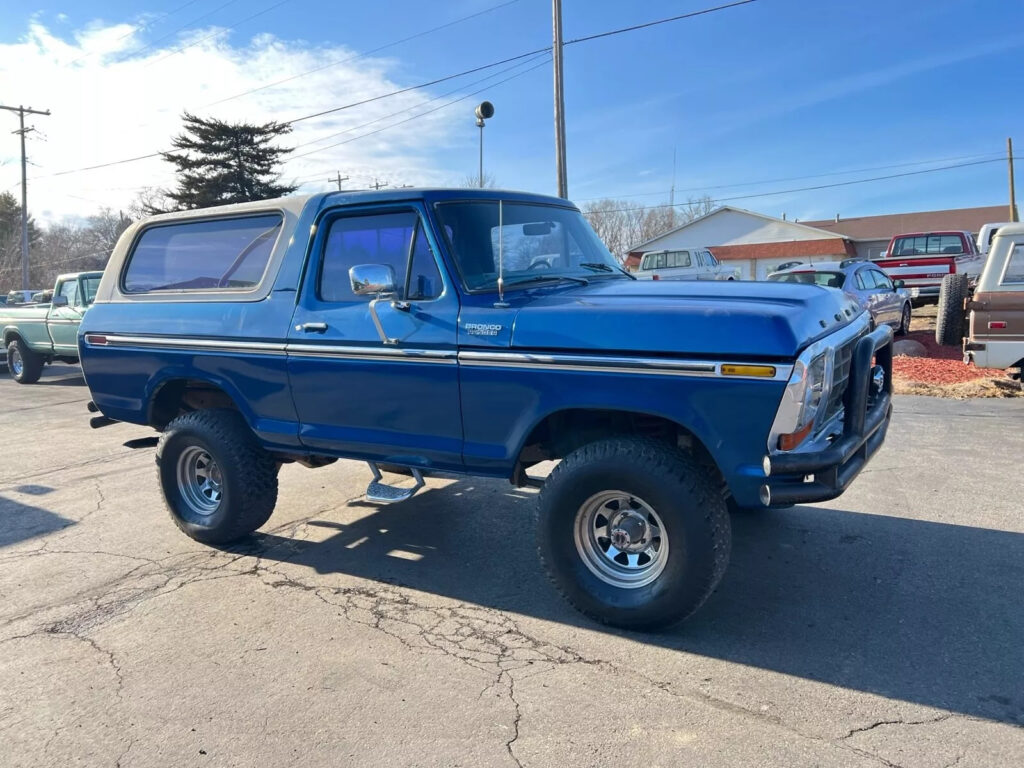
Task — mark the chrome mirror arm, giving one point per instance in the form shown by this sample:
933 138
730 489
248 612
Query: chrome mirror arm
376 319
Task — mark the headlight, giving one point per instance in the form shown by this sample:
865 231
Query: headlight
805 394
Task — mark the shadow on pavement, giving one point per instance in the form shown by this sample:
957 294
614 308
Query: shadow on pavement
19 522
925 612
77 380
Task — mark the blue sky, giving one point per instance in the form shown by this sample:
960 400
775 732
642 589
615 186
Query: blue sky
769 91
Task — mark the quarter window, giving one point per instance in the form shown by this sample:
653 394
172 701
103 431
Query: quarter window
221 254
1014 272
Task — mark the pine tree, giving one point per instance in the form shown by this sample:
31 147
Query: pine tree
220 163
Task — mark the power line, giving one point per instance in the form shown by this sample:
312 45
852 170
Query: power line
417 106
219 32
825 186
440 79
204 17
659 21
419 115
363 54
797 178
140 28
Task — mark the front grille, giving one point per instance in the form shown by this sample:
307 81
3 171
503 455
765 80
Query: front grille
840 379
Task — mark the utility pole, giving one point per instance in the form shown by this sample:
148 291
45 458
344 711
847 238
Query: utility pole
1013 193
339 179
22 130
556 57
377 184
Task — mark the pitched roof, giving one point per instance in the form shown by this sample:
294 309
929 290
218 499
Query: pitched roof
829 246
884 227
798 224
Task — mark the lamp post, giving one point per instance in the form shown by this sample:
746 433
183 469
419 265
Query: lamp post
483 111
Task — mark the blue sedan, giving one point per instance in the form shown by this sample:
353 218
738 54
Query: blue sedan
887 302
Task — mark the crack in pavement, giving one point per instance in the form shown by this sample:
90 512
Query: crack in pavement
880 723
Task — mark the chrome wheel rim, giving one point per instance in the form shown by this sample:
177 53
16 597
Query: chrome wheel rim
200 482
17 365
621 539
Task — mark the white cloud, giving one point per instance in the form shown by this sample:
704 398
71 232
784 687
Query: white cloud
112 97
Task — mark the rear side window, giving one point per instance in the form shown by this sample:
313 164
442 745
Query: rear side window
222 254
1015 266
678 259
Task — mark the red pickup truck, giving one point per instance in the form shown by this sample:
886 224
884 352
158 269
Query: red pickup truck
922 259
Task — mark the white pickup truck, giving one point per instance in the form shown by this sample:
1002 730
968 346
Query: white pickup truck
683 264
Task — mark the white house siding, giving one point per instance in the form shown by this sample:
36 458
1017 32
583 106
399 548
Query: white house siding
728 227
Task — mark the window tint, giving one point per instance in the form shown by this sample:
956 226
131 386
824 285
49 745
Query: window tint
222 254
881 281
393 239
1015 266
70 289
927 245
424 277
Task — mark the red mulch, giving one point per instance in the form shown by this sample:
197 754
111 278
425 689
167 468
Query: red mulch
942 365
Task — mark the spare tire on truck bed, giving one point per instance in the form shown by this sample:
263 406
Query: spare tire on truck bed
949 324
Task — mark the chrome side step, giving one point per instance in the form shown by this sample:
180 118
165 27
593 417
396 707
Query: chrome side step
382 493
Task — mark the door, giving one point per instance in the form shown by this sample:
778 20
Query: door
385 394
886 303
63 322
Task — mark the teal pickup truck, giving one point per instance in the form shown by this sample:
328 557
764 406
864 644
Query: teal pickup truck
37 334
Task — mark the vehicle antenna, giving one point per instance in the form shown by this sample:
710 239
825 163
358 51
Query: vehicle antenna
501 257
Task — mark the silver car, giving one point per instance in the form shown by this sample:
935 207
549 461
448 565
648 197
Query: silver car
888 302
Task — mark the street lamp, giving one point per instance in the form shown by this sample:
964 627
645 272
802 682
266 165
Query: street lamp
483 111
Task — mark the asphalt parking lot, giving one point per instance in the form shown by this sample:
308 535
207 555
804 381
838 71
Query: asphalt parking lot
884 628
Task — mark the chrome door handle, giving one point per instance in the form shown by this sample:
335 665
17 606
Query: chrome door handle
312 327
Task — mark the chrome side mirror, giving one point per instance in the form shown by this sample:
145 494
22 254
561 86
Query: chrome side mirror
372 279
59 301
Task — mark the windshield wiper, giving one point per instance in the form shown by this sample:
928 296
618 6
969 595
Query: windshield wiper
602 267
548 278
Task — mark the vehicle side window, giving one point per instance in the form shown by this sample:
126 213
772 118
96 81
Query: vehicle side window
91 285
881 281
711 258
659 261
70 290
220 254
394 239
647 263
1014 272
424 281
679 259
862 280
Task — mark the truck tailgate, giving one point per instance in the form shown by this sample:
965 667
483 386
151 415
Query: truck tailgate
920 272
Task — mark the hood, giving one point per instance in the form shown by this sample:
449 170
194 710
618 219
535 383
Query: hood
712 318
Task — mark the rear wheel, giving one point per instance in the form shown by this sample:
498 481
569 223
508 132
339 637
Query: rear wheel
949 324
904 326
25 365
218 482
632 532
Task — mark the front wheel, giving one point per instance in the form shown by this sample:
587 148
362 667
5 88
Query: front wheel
218 482
25 365
632 532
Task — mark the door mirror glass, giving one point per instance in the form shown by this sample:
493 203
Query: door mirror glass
372 279
898 284
59 301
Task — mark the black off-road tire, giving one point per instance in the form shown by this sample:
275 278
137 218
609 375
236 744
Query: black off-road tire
949 324
31 367
905 314
248 475
681 492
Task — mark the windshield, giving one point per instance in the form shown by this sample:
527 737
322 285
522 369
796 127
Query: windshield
535 242
825 279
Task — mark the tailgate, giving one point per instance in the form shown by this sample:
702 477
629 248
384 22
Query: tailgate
918 272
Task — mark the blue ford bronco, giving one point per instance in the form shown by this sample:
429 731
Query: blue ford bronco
483 332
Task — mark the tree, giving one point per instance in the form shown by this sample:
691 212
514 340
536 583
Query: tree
10 239
622 224
219 163
473 180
